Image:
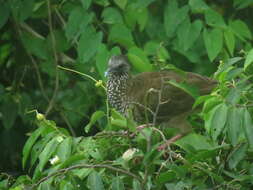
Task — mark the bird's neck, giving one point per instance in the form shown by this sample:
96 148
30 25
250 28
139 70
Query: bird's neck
117 91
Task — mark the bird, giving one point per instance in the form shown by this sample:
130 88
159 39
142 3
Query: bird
151 96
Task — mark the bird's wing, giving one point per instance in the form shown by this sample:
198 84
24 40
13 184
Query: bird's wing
144 89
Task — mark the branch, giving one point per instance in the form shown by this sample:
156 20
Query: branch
56 87
79 166
82 74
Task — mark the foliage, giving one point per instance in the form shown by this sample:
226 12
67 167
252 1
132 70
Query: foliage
98 150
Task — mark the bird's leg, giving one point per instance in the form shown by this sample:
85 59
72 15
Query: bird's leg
169 142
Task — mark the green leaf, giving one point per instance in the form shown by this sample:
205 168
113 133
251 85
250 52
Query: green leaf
230 41
240 29
82 173
29 143
151 156
64 149
38 147
173 16
143 3
156 49
234 124
65 185
95 181
213 42
122 35
48 151
73 159
86 3
117 184
200 100
151 47
4 13
165 177
77 23
227 64
88 44
188 88
188 33
142 18
139 59
101 60
121 3
198 6
214 19
240 4
35 46
117 119
237 155
136 185
111 16
115 51
248 127
216 120
210 103
248 60
103 3
233 96
94 118
21 10
233 73
198 142
130 16
61 43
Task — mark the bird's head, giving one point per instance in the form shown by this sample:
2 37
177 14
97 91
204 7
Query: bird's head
117 65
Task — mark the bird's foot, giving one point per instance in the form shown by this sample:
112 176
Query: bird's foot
169 142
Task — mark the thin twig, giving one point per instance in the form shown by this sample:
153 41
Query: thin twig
35 65
68 124
143 106
79 166
111 134
56 87
60 18
160 132
85 75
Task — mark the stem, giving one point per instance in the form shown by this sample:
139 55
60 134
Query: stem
82 74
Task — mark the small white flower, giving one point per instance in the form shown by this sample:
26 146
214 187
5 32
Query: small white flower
128 155
54 160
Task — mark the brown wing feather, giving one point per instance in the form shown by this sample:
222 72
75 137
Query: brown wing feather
173 100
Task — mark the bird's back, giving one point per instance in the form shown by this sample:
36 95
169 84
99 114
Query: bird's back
152 93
